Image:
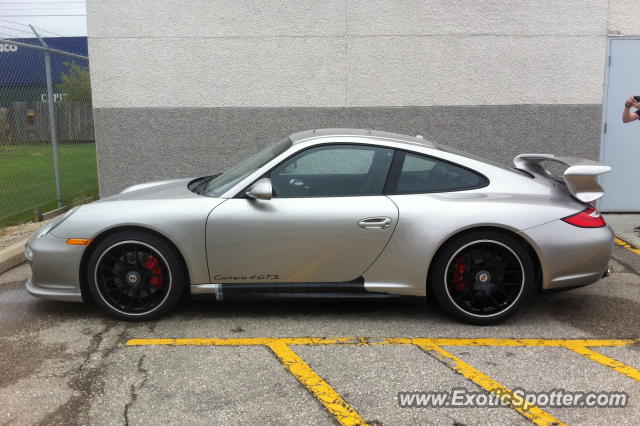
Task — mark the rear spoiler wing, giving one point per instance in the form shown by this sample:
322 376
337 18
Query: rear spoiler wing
581 175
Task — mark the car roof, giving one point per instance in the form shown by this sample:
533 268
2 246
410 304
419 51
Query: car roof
365 133
410 141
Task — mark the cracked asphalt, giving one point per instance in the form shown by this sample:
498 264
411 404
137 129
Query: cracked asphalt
65 363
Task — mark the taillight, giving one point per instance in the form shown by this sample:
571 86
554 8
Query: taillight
587 218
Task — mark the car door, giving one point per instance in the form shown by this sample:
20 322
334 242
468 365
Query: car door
328 220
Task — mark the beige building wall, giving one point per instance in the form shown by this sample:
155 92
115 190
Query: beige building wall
225 77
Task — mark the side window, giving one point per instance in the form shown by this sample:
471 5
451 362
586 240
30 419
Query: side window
333 171
420 174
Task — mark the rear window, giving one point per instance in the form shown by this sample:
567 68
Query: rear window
414 173
482 159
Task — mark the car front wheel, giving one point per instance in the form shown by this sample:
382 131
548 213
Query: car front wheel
482 277
135 275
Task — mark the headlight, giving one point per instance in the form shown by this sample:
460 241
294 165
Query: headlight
55 222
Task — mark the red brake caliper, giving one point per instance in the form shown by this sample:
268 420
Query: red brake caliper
152 265
459 268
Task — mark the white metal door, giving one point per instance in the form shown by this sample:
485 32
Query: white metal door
620 146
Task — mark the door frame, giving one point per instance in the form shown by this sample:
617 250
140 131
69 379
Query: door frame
605 93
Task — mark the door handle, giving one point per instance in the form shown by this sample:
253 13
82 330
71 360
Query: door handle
375 223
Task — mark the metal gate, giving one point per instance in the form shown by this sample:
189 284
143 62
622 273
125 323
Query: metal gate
620 147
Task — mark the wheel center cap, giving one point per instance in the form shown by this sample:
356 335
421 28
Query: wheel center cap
483 277
133 277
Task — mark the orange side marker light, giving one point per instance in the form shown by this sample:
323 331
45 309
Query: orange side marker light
78 241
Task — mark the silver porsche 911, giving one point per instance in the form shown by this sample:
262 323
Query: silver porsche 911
335 213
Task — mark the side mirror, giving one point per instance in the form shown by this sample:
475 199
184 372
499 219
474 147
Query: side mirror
261 190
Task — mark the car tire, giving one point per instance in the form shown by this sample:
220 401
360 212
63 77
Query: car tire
136 275
482 277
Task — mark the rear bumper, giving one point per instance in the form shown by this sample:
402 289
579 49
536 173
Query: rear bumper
570 256
55 268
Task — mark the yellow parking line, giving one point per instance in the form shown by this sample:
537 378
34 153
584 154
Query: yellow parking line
249 341
605 360
332 401
524 342
534 414
253 341
201 342
623 243
346 415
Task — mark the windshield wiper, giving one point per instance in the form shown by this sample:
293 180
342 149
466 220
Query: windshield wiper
204 182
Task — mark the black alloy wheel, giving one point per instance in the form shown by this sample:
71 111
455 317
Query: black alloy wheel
482 277
135 275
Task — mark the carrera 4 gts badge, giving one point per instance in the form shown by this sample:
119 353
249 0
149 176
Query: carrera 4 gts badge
245 278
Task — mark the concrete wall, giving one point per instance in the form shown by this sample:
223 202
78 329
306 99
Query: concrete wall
189 87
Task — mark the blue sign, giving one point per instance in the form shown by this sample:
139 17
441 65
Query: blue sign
22 66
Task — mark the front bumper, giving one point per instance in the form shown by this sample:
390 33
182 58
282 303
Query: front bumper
570 256
55 268
53 294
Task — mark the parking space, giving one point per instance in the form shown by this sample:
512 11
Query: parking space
317 362
566 359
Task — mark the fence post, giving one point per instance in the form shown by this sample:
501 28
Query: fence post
52 118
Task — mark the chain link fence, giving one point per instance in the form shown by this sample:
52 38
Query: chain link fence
47 144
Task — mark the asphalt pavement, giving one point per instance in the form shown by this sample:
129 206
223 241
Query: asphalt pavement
316 362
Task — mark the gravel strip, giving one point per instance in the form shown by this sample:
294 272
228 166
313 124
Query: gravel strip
12 234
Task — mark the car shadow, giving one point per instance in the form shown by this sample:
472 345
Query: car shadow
597 315
594 315
409 306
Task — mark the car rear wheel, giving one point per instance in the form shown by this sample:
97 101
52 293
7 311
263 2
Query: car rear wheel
482 277
135 275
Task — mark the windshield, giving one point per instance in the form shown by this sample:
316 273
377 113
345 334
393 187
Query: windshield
227 180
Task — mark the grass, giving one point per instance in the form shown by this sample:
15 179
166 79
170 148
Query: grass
27 178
